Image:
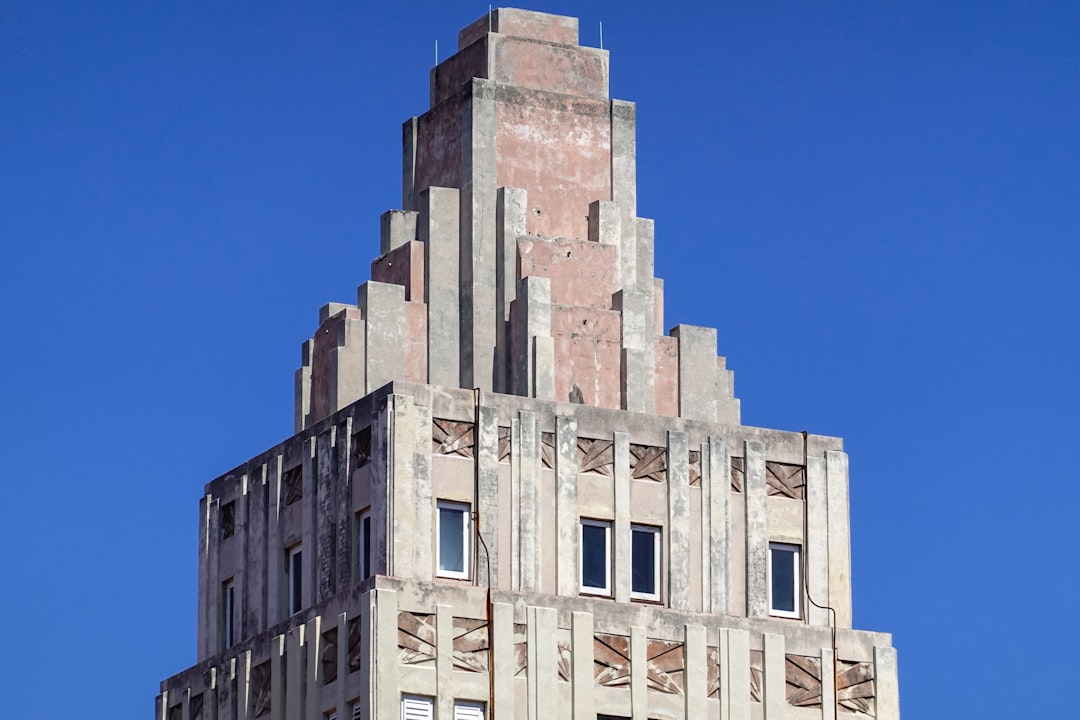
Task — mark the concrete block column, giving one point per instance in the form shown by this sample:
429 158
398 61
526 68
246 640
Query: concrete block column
302 389
581 634
757 532
817 541
295 642
716 483
836 473
534 350
737 674
444 662
623 534
384 678
487 499
775 681
396 228
278 658
566 506
638 350
275 563
382 306
502 639
348 363
886 684
624 154
510 206
697 673
439 228
242 671
828 685
697 372
543 699
528 503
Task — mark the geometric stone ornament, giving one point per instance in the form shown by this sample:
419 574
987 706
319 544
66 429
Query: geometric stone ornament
260 689
361 447
547 450
228 519
595 456
738 473
785 480
648 463
452 438
293 484
329 656
355 661
803 677
667 667
757 663
563 660
521 650
611 660
470 645
695 468
416 638
504 444
712 654
855 687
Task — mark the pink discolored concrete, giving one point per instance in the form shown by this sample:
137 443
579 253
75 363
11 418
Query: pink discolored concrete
588 354
667 376
404 265
522 23
564 69
439 135
416 349
581 272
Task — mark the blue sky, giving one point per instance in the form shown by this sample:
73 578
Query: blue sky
874 202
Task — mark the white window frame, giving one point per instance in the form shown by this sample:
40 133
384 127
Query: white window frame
589 589
655 531
295 579
796 579
466 531
417 707
363 549
469 710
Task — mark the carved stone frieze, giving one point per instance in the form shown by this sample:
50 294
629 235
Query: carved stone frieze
596 456
648 463
449 437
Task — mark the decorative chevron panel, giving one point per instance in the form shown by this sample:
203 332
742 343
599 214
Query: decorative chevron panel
416 638
712 657
738 474
785 480
667 667
452 438
292 483
695 468
504 444
611 660
361 447
803 680
547 449
757 664
260 689
855 687
470 645
354 645
648 463
596 456
521 650
329 655
563 661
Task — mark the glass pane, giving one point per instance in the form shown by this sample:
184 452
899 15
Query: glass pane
783 580
644 562
451 539
594 556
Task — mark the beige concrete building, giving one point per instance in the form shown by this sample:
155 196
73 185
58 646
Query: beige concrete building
511 493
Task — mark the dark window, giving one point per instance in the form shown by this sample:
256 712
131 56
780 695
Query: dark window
293 484
296 580
228 519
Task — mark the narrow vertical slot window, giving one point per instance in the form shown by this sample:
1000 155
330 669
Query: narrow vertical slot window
363 544
595 543
453 539
228 612
645 562
785 586
295 572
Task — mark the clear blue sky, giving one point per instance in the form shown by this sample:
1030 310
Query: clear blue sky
875 203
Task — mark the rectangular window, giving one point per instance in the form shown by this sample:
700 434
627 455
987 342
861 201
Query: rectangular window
417 707
645 562
595 557
228 612
469 710
295 576
453 537
785 587
363 543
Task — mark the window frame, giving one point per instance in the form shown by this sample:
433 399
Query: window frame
656 532
466 546
363 544
471 705
589 589
294 573
425 701
228 613
796 551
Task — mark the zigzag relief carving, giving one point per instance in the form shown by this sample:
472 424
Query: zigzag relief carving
648 463
361 447
354 645
452 438
695 468
563 659
738 474
596 456
667 667
260 689
803 680
329 656
504 444
611 660
416 638
855 687
785 480
757 663
470 645
712 681
521 650
547 449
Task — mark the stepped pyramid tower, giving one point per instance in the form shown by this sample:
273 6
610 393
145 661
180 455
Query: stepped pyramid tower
510 492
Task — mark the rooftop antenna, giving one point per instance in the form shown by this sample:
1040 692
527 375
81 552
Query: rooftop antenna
601 34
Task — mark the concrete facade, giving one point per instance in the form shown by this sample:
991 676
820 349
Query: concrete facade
505 366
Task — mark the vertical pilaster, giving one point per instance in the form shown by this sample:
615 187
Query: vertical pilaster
341 686
203 640
294 673
385 673
371 665
697 372
419 452
718 541
624 154
757 532
439 230
638 355
817 541
313 673
623 567
533 362
302 388
697 673
243 686
581 642
213 577
345 557
543 698
639 673
515 504
529 508
478 238
324 504
444 662
277 679
255 582
244 570
836 471
275 563
502 639
566 505
382 306
405 510
886 684
775 681
487 498
509 225
396 228
678 469
408 168
828 685
738 674
309 505
382 500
